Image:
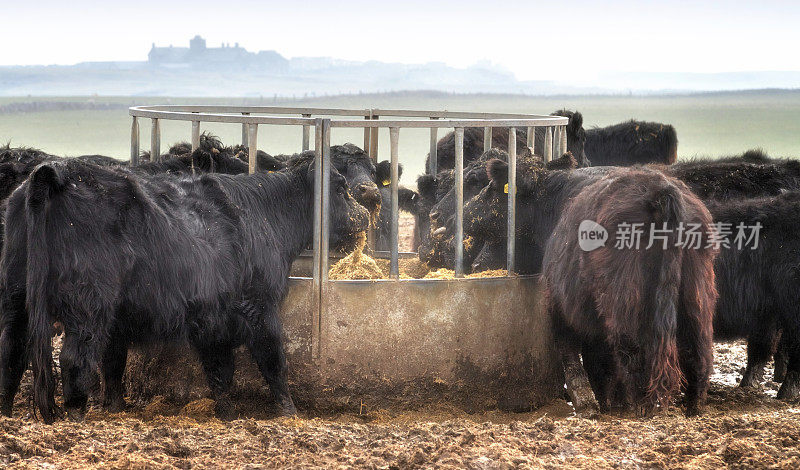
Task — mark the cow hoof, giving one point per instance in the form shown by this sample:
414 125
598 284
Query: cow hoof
287 409
224 410
790 389
588 411
751 381
779 376
693 410
115 406
6 406
76 414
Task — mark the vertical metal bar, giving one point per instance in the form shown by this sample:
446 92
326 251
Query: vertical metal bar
244 132
372 151
548 143
394 266
316 283
367 133
373 142
195 135
306 134
487 138
326 189
459 174
155 140
433 167
135 141
512 200
530 137
252 149
563 140
556 141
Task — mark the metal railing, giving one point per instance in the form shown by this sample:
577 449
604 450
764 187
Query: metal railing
250 117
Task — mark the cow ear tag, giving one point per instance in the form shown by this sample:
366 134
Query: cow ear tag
387 182
505 188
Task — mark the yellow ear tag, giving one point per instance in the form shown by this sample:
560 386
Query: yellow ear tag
505 188
387 182
270 171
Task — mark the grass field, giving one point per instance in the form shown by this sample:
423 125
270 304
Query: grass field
707 124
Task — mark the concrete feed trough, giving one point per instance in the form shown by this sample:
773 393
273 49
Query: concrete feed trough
479 342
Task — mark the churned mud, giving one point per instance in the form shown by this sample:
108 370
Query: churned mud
739 429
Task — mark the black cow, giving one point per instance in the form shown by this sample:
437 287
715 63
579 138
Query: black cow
473 142
407 201
356 166
632 143
737 178
160 258
759 285
639 342
438 249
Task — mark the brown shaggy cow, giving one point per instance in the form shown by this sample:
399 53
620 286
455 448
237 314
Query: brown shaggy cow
641 315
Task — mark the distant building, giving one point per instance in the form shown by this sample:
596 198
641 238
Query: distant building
199 55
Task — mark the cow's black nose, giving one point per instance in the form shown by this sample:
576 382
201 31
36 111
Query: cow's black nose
369 192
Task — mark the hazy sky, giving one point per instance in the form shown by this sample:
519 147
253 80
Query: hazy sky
535 40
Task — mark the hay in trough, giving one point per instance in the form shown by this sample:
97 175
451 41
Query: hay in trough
444 273
356 265
410 268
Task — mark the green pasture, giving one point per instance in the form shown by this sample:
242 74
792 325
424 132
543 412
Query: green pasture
707 124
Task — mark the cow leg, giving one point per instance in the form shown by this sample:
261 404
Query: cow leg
696 356
266 348
790 388
600 368
781 358
218 365
760 345
13 354
579 389
114 359
79 363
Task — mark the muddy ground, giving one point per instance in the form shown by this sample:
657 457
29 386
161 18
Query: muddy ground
739 429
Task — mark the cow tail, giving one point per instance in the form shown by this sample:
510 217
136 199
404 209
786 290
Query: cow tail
662 361
45 182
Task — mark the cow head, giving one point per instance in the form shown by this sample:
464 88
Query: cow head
348 218
576 135
359 171
439 247
485 215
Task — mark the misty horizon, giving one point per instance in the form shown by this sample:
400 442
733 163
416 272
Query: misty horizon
560 41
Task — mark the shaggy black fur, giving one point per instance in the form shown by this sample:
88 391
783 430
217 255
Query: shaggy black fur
760 289
731 179
159 258
631 143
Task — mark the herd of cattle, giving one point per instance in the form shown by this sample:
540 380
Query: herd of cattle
190 247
